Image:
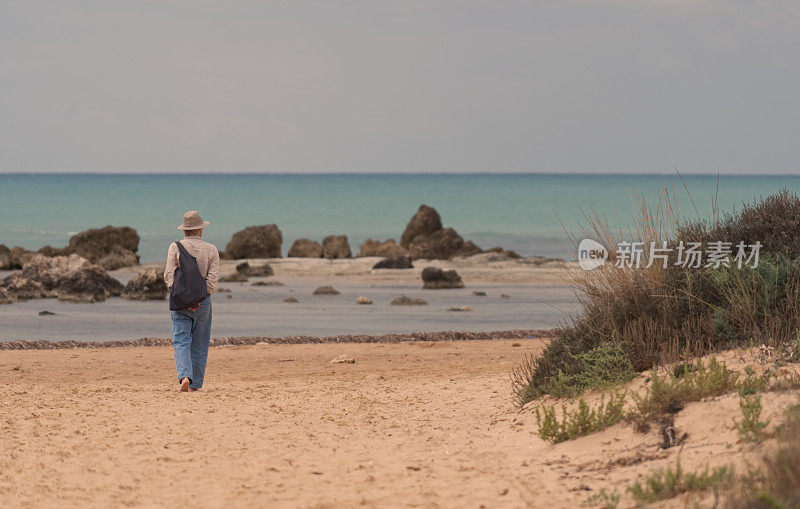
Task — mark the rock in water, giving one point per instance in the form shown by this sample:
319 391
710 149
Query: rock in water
407 301
425 222
336 247
248 270
305 248
255 242
267 283
71 278
363 300
46 313
326 290
434 278
397 262
98 243
290 299
147 285
479 293
6 258
343 359
387 249
440 245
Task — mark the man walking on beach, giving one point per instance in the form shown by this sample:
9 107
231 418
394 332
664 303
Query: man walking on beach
191 328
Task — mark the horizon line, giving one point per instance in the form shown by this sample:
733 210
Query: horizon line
417 174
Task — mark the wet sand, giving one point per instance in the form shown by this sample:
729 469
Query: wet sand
537 296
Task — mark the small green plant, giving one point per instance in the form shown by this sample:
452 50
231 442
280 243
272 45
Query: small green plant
776 481
668 394
751 427
606 500
579 421
672 481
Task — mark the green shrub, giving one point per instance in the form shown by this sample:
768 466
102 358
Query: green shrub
581 420
750 427
664 484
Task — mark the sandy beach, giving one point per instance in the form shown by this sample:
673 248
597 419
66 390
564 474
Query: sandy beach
427 424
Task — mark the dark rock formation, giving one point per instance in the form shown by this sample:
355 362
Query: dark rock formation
506 252
255 242
424 222
396 262
72 279
290 299
387 248
305 248
6 297
147 285
434 278
441 245
326 290
247 270
98 243
425 238
118 258
407 301
6 258
336 247
46 313
20 256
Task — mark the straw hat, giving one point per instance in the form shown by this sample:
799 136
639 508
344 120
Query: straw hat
193 221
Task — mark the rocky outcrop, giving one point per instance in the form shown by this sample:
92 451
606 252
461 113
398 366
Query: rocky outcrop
387 248
326 290
72 279
425 238
397 262
424 222
305 248
110 245
434 278
20 256
336 247
255 242
147 285
118 258
6 259
507 253
247 270
441 245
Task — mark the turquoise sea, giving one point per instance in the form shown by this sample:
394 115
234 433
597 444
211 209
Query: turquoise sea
516 211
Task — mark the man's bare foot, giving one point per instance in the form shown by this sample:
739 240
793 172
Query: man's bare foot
185 385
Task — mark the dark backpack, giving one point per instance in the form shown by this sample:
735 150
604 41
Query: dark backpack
189 288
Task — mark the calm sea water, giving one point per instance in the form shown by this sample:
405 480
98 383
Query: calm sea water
518 212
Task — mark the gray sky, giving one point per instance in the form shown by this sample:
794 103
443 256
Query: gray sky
394 86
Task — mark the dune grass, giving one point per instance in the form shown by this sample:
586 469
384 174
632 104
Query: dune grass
674 480
634 319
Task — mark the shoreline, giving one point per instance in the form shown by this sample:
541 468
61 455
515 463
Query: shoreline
288 340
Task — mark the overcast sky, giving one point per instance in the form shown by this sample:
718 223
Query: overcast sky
400 86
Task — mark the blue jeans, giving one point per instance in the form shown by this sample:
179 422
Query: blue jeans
191 334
